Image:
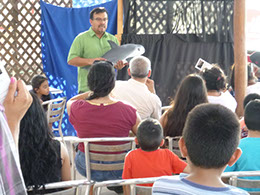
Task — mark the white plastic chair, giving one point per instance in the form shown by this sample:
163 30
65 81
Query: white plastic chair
91 144
55 113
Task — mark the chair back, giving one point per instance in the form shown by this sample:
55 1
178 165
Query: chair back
107 153
70 191
55 113
143 190
173 145
245 183
110 153
72 187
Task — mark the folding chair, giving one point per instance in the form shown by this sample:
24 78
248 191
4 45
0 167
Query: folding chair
245 183
55 113
91 144
132 182
70 187
173 145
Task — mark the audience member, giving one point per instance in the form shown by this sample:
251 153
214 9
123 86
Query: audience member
248 98
90 45
252 85
139 90
191 92
210 139
14 109
250 145
43 159
97 114
216 85
40 87
149 160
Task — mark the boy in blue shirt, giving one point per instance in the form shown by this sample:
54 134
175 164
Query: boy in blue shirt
250 146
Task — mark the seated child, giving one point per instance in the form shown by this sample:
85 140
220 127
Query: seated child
249 160
149 160
40 87
248 98
209 142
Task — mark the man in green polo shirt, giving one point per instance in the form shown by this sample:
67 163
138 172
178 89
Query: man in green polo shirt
90 46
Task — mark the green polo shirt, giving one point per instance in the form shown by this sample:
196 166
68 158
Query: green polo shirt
88 45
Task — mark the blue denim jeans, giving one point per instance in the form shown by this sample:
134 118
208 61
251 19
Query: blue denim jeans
96 175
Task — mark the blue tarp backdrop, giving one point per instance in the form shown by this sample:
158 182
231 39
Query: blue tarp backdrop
58 29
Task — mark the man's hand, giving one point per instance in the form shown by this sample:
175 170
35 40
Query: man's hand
98 59
150 84
16 106
120 64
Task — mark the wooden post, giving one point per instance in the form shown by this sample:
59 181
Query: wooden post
240 54
120 13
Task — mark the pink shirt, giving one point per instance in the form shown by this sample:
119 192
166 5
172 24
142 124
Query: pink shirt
113 120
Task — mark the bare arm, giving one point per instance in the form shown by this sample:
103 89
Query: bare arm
65 169
80 62
126 189
150 84
138 120
16 106
81 96
164 119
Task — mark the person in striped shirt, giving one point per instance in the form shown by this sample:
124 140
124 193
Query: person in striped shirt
209 142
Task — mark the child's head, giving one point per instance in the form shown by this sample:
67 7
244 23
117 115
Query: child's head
249 97
150 135
252 115
40 85
214 77
211 136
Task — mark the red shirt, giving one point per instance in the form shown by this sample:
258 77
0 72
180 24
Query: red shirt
141 164
113 120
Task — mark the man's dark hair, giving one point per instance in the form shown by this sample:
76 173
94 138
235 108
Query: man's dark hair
97 10
101 79
252 115
211 135
249 97
149 134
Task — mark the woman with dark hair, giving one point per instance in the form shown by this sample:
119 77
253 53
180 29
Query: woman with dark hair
216 86
43 159
191 92
97 114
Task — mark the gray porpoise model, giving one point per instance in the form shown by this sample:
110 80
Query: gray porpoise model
123 52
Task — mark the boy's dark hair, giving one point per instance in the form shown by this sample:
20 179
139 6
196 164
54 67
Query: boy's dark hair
252 115
211 135
249 97
97 10
149 134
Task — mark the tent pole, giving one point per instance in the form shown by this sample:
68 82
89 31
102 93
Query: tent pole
119 20
240 54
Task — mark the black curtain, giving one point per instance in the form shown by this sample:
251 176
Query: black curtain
176 34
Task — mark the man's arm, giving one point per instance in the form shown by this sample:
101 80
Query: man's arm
150 84
80 62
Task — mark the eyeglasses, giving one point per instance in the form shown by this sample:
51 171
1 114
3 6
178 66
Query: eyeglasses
101 19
